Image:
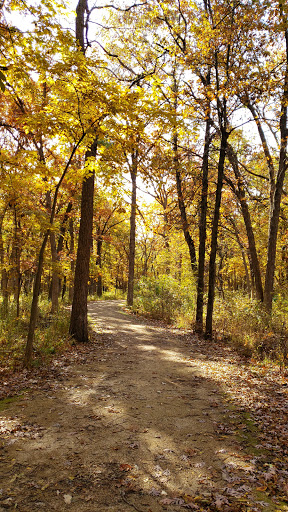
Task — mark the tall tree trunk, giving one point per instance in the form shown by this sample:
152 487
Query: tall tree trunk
274 220
132 240
17 262
4 274
78 321
214 236
34 306
37 282
99 263
72 260
202 227
182 206
242 249
239 191
55 276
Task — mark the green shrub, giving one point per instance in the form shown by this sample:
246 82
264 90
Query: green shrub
244 322
51 335
165 298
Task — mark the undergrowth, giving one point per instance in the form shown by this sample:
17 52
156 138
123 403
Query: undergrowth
113 294
238 320
243 322
165 298
51 335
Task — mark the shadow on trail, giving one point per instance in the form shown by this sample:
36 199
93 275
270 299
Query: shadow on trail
141 425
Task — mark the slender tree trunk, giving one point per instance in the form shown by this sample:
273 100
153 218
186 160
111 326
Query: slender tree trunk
132 241
4 274
55 276
37 282
274 220
99 263
202 228
17 284
240 193
267 153
182 206
214 236
72 261
34 306
242 249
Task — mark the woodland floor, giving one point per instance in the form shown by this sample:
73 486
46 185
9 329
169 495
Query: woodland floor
145 418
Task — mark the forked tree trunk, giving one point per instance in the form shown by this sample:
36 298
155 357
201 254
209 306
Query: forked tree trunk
202 228
214 236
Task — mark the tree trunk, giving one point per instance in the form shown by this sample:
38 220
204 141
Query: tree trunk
4 274
34 306
182 206
17 283
202 228
274 220
55 276
131 271
78 322
214 236
242 249
72 261
240 193
99 263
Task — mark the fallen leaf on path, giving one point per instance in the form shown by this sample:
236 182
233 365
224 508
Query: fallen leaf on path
125 467
67 498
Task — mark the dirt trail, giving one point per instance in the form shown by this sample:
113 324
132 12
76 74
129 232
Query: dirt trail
136 425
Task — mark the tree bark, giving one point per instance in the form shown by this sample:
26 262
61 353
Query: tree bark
72 261
132 240
274 220
214 236
202 228
4 274
34 306
240 193
182 206
17 262
78 321
242 249
55 276
99 263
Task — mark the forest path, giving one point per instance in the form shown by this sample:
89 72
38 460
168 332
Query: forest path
137 421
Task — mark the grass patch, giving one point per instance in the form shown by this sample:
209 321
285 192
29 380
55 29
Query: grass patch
5 402
51 334
243 322
164 298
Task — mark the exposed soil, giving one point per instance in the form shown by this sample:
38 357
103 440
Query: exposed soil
144 418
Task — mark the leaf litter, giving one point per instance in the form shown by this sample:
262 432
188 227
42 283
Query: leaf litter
214 438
